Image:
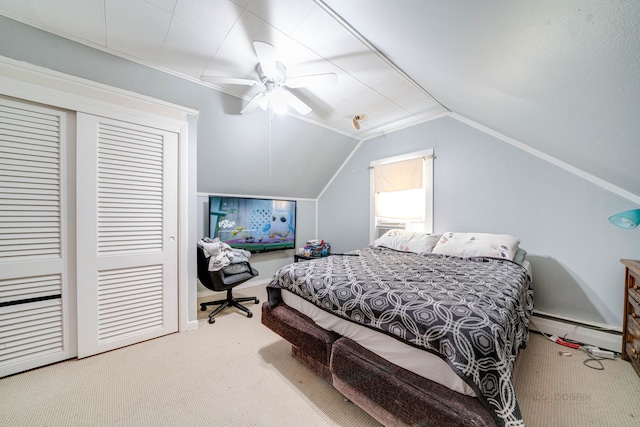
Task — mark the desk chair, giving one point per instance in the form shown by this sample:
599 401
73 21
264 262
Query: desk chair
224 280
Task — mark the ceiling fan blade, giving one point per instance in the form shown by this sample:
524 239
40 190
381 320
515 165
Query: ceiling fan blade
284 96
312 80
228 80
259 100
267 58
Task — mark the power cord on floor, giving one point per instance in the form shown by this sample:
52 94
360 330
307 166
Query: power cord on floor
596 355
593 359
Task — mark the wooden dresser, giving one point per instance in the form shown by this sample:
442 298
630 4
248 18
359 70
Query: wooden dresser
631 321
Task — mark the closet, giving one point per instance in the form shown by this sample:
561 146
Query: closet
89 233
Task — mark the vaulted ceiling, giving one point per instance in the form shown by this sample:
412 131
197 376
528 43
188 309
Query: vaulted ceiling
562 78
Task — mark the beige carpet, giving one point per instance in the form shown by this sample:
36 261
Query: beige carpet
236 372
556 390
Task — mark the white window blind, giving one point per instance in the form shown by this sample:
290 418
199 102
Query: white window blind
398 176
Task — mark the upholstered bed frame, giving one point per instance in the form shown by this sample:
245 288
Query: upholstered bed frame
390 394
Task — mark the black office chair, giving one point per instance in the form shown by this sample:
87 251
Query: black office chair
224 280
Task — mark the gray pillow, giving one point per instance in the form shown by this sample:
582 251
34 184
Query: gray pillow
519 256
241 267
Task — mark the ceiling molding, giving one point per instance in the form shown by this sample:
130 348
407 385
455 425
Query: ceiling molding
374 49
82 90
405 125
550 159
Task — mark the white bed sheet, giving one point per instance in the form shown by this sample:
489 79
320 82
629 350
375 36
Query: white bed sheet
410 358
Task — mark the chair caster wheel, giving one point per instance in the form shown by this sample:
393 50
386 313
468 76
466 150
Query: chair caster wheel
203 308
257 301
212 321
249 314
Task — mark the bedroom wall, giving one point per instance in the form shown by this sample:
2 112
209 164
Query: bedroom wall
486 185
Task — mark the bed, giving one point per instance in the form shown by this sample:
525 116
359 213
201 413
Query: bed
418 329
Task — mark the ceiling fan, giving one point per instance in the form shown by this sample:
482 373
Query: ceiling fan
272 74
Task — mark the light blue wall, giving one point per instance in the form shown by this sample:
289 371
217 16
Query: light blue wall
486 185
238 154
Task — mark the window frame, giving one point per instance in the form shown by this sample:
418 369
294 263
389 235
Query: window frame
427 185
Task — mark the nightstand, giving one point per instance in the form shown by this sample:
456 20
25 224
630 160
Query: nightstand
631 320
297 258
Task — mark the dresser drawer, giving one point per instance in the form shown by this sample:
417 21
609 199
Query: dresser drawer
633 287
632 341
633 308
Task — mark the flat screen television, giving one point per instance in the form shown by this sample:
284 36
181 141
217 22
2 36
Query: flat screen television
255 225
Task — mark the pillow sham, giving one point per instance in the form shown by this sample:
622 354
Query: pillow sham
408 241
477 244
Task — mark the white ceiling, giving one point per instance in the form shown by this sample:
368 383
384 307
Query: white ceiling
214 37
560 77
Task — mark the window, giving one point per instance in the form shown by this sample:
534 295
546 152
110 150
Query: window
402 193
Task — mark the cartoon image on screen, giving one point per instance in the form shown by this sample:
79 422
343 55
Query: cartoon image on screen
255 225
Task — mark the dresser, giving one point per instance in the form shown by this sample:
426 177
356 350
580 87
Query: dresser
631 321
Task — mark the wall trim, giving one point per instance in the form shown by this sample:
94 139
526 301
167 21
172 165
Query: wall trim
328 184
302 199
550 159
377 51
605 339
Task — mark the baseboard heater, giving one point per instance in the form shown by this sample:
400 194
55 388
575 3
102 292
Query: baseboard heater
604 337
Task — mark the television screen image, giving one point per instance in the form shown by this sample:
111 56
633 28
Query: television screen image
255 225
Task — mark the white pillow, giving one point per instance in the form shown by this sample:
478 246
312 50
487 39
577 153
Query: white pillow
408 241
477 244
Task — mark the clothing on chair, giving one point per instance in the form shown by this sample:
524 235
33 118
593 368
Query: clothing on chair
220 254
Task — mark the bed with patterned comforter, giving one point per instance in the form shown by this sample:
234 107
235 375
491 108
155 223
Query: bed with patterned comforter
471 312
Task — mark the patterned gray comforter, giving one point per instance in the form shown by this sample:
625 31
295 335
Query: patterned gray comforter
472 312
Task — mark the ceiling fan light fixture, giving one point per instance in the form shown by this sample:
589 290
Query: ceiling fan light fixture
275 80
356 120
273 76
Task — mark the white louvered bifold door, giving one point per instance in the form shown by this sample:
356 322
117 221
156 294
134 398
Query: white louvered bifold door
35 313
127 242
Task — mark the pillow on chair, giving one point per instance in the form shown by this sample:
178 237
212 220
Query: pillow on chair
241 267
